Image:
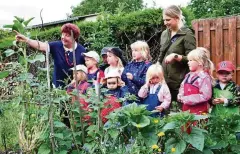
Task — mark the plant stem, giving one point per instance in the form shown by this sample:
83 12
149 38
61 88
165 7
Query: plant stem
75 74
51 106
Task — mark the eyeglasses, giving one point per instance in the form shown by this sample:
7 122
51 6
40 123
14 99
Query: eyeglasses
111 83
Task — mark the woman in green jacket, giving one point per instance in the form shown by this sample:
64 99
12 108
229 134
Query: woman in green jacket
176 42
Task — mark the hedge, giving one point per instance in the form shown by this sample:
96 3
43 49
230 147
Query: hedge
112 30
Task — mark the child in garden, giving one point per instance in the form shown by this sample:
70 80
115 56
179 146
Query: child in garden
115 60
134 73
80 82
104 64
196 88
155 91
116 90
91 60
226 94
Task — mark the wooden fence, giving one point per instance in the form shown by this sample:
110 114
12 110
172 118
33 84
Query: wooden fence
222 37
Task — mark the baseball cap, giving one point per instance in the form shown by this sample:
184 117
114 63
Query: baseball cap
81 68
105 50
92 54
225 66
118 52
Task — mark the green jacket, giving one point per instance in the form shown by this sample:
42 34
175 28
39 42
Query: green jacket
232 93
181 43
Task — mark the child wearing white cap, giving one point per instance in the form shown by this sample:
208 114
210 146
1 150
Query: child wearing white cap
91 60
80 82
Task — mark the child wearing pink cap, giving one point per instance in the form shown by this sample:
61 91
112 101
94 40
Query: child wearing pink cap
116 90
226 94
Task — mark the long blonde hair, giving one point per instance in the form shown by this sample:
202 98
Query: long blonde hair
174 11
145 50
202 56
155 70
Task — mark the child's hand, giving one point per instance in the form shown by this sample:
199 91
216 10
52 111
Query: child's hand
218 101
159 108
169 58
73 82
122 84
129 76
179 98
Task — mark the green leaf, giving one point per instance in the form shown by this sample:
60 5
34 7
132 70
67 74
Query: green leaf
44 149
195 138
22 60
39 57
143 121
59 124
4 74
7 26
207 151
180 146
9 52
113 133
18 26
170 125
220 145
19 19
89 146
27 21
63 152
59 135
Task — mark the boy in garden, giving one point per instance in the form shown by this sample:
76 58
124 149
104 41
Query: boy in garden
104 64
226 94
94 73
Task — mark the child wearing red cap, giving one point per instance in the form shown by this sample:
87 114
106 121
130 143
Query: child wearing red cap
226 94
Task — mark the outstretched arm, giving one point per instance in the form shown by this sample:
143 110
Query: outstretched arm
33 43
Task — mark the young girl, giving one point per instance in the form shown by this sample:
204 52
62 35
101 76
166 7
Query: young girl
196 89
115 60
116 90
81 84
155 92
134 73
94 73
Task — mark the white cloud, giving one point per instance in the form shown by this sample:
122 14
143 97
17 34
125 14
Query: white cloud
53 9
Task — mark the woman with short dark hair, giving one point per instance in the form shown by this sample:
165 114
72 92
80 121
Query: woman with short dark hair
61 52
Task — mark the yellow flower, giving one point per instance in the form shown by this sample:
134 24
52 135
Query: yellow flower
204 113
154 146
138 126
159 150
161 134
173 149
155 121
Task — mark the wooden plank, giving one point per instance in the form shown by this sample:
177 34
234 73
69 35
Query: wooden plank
213 46
195 27
219 40
233 42
206 34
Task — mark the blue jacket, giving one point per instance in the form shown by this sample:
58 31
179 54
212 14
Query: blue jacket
63 62
120 92
138 70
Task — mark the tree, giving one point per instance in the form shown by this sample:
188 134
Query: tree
214 8
94 6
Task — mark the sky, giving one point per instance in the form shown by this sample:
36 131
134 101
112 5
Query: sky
54 10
